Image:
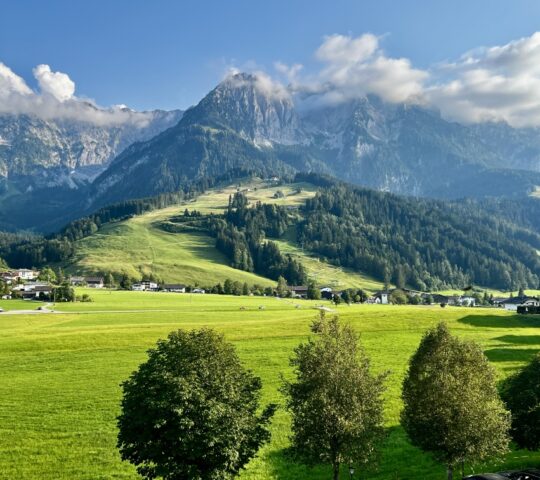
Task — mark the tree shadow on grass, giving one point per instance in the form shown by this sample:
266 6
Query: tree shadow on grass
520 339
511 354
498 321
398 460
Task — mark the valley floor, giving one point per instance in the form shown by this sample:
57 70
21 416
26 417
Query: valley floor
60 374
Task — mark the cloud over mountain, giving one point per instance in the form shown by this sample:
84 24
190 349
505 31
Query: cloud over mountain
56 100
500 83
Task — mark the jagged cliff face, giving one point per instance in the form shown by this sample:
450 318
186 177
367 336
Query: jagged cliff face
35 153
257 111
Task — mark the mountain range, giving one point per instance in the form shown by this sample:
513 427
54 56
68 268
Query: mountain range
57 171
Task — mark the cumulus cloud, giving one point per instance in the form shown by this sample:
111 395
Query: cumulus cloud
500 83
355 67
56 100
57 84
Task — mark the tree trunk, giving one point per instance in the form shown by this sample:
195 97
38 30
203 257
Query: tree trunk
336 470
450 472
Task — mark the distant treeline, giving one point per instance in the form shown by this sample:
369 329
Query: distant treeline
421 243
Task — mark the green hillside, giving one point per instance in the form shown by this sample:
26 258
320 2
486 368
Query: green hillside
60 375
138 247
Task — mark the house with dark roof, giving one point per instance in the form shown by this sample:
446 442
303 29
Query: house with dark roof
512 304
174 287
94 282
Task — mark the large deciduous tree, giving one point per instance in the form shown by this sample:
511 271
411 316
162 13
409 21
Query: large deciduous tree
191 410
335 400
452 408
521 393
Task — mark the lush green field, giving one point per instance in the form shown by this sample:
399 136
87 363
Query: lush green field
60 374
7 305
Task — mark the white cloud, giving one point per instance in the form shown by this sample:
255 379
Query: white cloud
11 84
57 84
261 80
56 100
500 83
355 67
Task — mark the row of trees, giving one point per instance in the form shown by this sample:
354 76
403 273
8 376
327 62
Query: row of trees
192 411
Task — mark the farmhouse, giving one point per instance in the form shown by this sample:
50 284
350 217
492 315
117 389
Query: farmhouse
381 297
327 293
174 287
25 274
512 304
77 281
94 282
144 286
36 291
299 291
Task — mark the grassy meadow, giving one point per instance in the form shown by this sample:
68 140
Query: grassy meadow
60 374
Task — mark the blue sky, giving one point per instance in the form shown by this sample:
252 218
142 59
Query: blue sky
168 54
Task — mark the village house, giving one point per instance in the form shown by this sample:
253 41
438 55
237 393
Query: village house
198 290
94 282
174 287
77 281
145 286
327 293
25 274
299 291
381 297
512 304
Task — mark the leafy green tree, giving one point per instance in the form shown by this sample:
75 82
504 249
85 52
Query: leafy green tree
228 287
64 293
282 287
245 289
521 393
451 404
313 293
335 400
336 299
109 280
398 297
190 410
47 275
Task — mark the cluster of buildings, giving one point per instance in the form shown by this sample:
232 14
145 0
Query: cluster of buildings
16 276
32 290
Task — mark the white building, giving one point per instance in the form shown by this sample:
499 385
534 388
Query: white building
512 304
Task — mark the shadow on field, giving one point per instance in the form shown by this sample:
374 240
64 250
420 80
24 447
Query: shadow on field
399 460
520 339
511 354
497 321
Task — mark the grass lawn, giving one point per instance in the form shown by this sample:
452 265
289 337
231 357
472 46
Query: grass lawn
7 305
60 374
